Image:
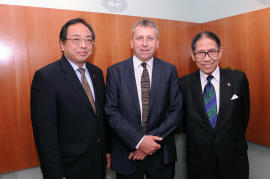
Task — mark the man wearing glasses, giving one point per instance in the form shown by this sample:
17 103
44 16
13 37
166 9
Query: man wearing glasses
67 110
216 114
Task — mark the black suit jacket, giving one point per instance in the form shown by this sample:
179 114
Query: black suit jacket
227 142
70 138
123 109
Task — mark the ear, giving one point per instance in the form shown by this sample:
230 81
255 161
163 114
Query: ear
62 46
157 44
131 43
220 52
192 56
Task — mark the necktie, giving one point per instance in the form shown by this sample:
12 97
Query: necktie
210 101
87 88
145 92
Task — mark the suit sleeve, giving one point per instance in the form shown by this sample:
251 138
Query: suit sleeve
174 113
44 122
182 89
245 102
108 133
121 128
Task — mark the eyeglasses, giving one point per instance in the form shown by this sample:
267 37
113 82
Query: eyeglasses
211 53
77 40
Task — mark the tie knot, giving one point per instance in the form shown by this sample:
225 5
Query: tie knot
81 70
210 77
144 65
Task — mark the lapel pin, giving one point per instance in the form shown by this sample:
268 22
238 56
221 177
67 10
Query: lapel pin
228 84
94 76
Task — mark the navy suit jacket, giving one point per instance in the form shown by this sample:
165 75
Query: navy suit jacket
124 115
227 142
71 139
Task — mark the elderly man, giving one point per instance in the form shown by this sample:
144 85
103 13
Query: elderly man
216 114
67 110
144 107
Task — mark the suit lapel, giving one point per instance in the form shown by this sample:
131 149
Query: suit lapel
73 80
195 86
131 83
155 80
225 94
93 77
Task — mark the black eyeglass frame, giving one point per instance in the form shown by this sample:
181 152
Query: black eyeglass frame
207 54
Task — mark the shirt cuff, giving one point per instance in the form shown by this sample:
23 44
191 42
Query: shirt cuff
138 145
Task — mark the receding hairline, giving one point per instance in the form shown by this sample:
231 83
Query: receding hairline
145 23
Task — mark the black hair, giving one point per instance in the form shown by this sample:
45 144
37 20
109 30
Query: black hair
207 34
63 33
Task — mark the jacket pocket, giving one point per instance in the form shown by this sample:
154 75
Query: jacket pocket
72 150
235 101
242 147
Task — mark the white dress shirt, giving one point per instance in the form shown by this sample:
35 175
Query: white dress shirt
138 70
215 81
87 75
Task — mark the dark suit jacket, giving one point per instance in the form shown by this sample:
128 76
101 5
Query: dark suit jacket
70 137
227 142
123 109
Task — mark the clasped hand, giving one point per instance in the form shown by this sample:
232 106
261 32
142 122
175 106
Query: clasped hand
148 146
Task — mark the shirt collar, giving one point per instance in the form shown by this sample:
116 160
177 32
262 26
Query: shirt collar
215 74
74 66
137 62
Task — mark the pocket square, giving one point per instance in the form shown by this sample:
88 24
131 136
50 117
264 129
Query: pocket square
234 97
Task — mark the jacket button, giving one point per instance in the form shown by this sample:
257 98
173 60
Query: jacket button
98 140
139 120
214 136
97 118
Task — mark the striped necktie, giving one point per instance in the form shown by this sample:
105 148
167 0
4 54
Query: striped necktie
210 101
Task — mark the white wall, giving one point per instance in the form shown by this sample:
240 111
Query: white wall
181 10
259 161
162 9
216 9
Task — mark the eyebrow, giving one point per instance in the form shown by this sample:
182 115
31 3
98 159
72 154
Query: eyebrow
207 50
81 36
145 36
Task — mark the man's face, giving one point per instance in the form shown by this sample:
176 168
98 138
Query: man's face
77 53
144 43
206 64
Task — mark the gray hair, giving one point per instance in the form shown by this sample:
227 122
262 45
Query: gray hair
145 23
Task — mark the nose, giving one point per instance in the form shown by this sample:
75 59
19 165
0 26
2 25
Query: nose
83 44
207 58
144 43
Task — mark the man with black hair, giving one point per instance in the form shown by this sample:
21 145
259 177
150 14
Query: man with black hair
216 114
67 110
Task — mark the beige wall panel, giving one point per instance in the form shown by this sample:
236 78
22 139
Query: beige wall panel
17 148
245 40
32 35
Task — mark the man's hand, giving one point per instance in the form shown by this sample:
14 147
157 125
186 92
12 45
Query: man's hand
137 155
108 160
148 145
